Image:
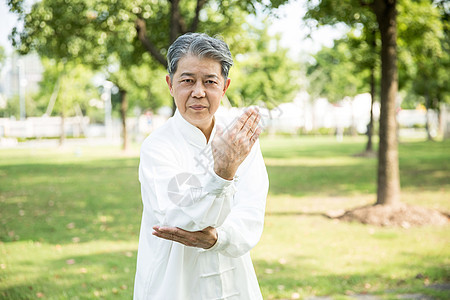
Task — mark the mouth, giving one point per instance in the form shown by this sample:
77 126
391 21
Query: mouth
197 107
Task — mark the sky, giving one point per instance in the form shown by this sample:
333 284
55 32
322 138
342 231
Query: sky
7 22
293 30
288 23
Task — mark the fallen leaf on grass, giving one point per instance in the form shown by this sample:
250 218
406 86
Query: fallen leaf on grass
70 261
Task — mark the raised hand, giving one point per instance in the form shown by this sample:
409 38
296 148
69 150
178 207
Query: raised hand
231 147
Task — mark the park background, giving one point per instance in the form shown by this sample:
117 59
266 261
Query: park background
82 84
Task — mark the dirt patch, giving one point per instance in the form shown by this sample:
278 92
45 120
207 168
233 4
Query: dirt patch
402 215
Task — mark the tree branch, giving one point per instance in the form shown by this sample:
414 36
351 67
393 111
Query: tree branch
174 20
148 45
195 21
363 3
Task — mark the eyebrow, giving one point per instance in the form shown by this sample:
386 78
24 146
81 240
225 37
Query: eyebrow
192 74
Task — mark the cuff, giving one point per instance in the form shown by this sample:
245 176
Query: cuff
222 241
218 185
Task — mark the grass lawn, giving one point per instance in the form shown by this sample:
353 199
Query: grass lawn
70 221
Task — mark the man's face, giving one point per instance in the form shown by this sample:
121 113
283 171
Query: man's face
197 87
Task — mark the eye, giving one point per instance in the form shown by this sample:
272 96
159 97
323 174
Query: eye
187 80
210 82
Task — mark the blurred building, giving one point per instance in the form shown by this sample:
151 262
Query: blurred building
21 72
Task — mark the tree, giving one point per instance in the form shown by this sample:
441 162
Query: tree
137 83
264 74
423 60
334 74
339 72
86 32
365 53
385 12
364 46
94 31
65 90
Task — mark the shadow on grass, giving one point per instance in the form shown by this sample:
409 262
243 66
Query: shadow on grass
306 277
60 203
332 180
359 178
107 275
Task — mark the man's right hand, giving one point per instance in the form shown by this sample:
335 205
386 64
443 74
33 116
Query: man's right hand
230 148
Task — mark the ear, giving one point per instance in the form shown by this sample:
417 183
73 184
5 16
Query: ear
227 84
169 83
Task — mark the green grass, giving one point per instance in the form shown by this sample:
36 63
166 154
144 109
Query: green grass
70 222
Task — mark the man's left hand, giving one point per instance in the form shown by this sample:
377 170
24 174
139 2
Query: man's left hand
205 238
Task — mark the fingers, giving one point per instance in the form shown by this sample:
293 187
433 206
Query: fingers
247 123
205 238
251 125
243 119
255 135
173 234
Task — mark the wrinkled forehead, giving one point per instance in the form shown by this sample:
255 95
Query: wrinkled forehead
193 65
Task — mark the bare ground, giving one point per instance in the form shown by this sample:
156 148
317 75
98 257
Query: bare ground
401 214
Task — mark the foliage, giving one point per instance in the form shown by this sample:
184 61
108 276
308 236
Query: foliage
12 108
145 85
265 73
71 84
70 222
424 60
105 33
334 73
2 58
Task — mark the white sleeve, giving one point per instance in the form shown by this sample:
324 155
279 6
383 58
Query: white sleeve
179 198
243 227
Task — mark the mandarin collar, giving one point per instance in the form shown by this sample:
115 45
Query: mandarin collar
191 133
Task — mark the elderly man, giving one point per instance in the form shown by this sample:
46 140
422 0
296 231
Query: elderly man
204 188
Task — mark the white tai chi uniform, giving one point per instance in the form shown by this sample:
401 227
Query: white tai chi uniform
180 189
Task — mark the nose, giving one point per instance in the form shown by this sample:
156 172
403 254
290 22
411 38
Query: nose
198 90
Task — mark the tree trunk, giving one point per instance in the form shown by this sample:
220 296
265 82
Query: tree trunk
369 147
62 134
388 191
373 45
123 115
353 125
427 121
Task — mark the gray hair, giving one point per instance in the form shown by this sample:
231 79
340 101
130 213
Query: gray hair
202 46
